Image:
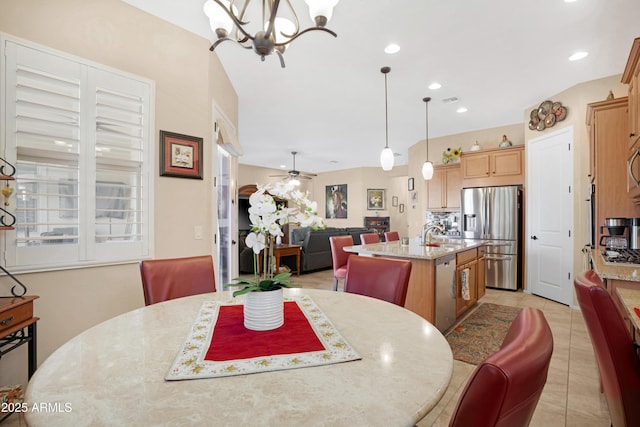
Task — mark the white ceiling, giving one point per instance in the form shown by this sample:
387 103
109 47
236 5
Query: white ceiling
498 57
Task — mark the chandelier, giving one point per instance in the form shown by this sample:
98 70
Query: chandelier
277 26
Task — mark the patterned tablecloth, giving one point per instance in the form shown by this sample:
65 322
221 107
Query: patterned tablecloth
192 360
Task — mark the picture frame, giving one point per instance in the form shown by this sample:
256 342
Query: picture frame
336 201
401 208
180 155
410 184
394 201
376 199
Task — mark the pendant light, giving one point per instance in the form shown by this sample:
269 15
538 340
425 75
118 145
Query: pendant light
427 167
386 157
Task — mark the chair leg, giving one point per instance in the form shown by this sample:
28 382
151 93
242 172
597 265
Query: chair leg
335 284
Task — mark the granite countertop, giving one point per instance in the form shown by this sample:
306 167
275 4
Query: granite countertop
447 246
613 271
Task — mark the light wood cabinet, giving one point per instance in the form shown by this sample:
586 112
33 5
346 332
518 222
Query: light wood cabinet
501 166
631 76
608 135
443 190
467 260
481 284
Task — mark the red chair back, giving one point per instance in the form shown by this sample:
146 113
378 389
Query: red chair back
165 279
339 257
391 236
504 389
367 238
380 278
616 356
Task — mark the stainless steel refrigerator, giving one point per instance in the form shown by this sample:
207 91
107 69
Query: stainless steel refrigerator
495 214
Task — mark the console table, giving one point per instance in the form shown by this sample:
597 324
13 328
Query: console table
16 316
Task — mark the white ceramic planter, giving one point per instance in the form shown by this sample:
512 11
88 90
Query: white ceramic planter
263 311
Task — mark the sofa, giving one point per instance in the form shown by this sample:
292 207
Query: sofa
315 253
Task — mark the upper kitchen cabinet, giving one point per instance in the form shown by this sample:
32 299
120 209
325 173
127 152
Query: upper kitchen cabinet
631 76
608 136
444 188
500 166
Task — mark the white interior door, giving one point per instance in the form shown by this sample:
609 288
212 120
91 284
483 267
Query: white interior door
225 199
550 216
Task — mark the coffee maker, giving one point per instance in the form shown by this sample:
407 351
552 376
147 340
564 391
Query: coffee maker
617 238
634 233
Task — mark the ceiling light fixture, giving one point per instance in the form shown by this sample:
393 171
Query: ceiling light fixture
274 33
392 48
578 55
427 167
435 85
462 110
386 157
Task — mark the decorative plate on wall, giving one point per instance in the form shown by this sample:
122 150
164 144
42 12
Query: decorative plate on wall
546 115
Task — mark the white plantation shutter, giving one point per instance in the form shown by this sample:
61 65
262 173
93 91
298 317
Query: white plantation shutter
80 137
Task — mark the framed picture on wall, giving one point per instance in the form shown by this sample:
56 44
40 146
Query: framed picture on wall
336 201
180 155
376 199
410 185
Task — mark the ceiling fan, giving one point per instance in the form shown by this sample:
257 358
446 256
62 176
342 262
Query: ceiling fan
294 175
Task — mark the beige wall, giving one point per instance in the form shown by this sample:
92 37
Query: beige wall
487 138
188 78
357 180
576 99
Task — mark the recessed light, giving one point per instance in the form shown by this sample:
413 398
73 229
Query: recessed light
434 86
569 1
283 166
392 48
578 55
451 100
461 110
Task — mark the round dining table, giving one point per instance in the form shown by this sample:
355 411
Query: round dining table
113 374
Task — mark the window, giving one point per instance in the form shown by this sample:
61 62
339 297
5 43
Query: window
80 137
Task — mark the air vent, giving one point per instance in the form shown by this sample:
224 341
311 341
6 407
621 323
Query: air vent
451 100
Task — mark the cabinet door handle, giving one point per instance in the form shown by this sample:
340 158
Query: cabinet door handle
630 168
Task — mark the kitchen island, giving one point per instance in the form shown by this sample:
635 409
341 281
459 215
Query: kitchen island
421 294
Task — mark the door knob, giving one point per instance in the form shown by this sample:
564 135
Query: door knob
534 237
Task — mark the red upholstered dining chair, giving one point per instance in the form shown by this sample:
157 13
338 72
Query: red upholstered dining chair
367 238
504 389
391 236
613 346
339 257
165 279
381 278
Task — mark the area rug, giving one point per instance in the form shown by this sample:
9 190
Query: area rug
481 333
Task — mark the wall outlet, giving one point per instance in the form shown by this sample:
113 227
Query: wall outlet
197 232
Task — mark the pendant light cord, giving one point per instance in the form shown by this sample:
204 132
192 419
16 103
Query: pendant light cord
385 71
426 127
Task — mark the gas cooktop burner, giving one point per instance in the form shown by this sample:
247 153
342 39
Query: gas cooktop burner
621 256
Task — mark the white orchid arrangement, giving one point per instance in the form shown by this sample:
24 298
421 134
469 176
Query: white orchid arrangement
267 219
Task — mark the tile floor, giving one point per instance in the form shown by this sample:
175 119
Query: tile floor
571 396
